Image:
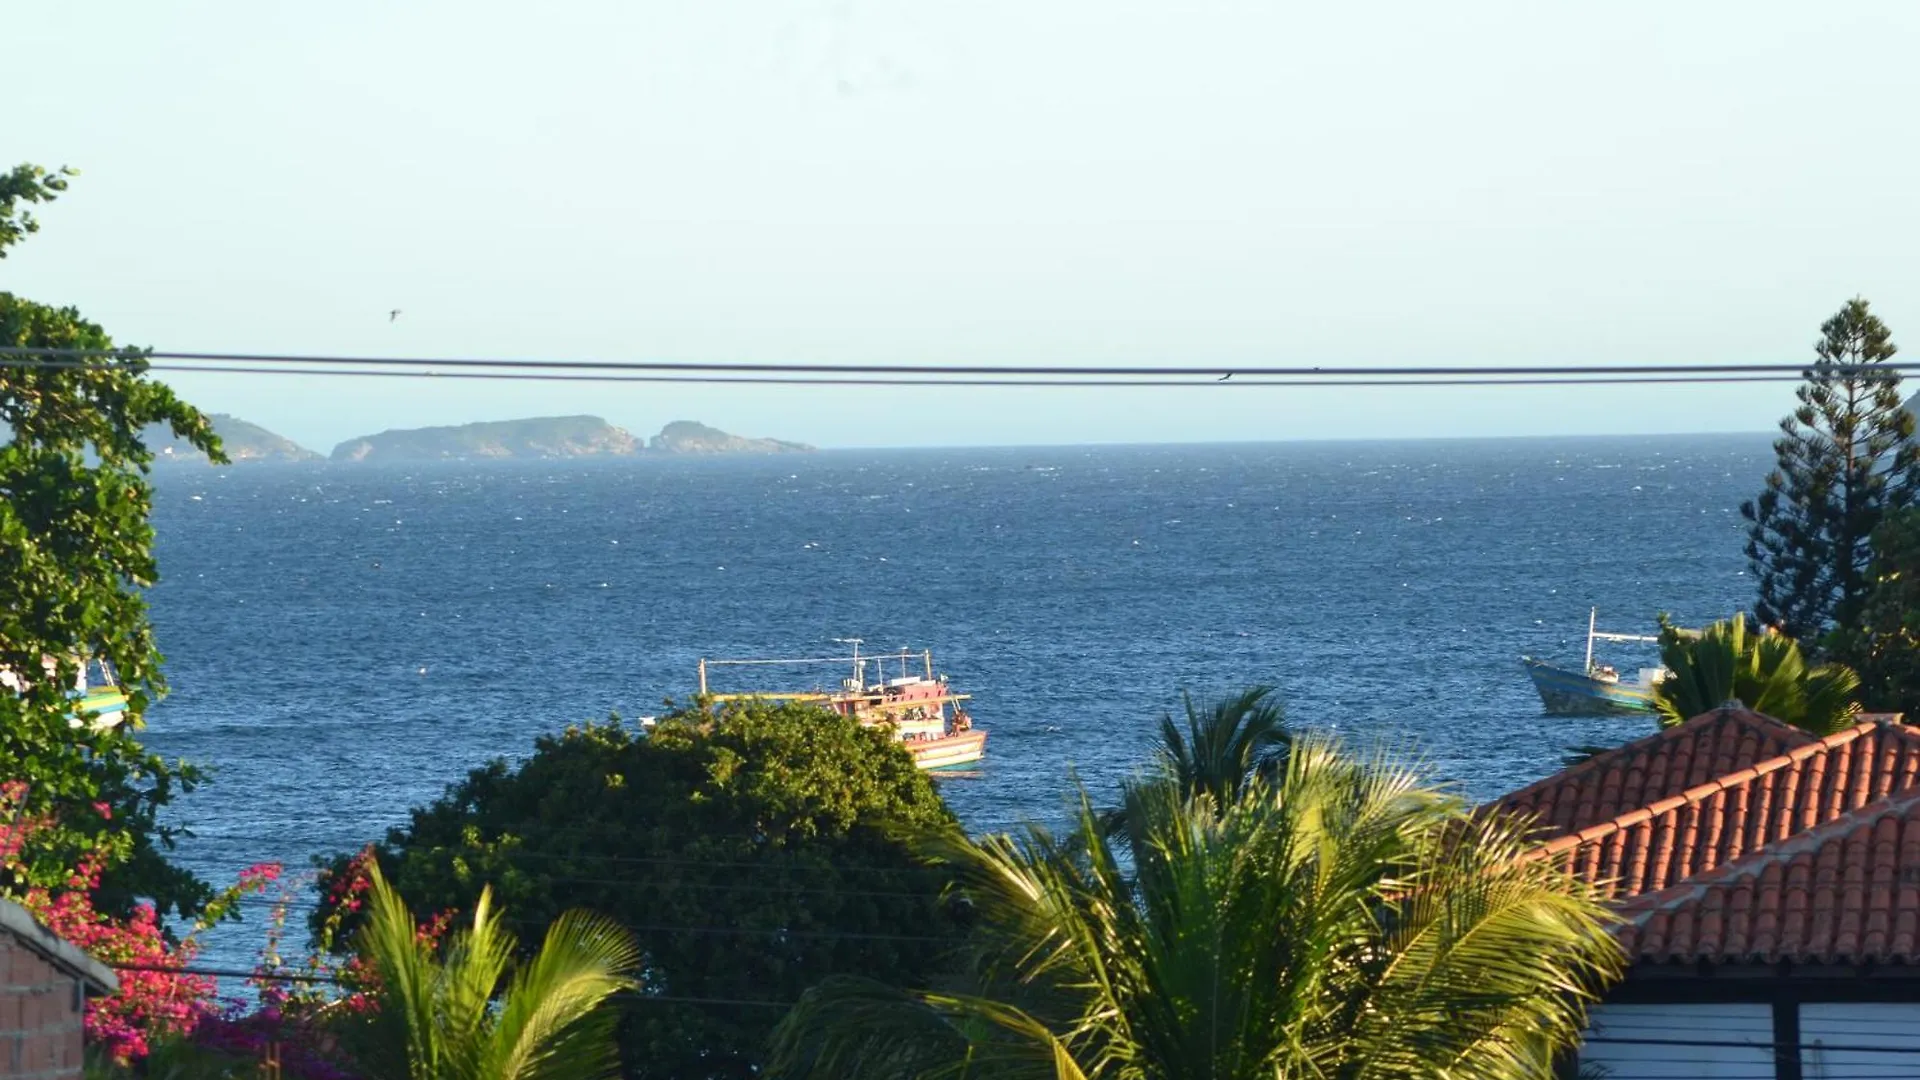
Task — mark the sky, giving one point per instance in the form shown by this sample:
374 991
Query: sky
988 181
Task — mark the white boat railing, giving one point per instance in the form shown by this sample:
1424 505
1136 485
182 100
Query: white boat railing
1593 635
858 660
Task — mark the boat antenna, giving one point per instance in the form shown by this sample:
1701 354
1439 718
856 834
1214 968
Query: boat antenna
1593 613
859 665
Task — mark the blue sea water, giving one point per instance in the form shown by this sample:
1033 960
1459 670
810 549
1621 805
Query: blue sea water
344 641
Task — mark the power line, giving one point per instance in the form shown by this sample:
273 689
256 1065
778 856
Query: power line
939 374
335 980
1757 1044
1752 1044
546 834
675 928
1214 371
1198 380
804 380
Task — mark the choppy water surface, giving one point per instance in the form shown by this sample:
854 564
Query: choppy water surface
344 641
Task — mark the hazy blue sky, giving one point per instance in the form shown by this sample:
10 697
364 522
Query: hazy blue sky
992 181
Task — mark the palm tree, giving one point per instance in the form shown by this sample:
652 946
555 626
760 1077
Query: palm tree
1225 747
1764 670
1221 751
438 1017
1342 920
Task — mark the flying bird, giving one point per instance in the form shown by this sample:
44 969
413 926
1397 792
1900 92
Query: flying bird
1225 377
394 314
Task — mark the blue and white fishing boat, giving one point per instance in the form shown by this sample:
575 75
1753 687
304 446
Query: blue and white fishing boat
1600 691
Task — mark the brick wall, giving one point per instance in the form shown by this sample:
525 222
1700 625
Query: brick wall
40 1014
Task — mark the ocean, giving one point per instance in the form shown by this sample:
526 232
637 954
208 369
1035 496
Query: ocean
345 641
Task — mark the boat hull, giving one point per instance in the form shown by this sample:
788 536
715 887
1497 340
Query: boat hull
100 708
1568 693
948 751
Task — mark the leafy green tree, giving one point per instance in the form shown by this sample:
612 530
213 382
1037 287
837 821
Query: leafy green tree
752 849
1845 459
448 1011
76 551
1342 920
1886 644
1763 670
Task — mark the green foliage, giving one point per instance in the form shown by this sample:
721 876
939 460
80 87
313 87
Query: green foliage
1224 748
751 849
1343 919
24 185
76 549
1886 645
1846 458
1763 670
441 1012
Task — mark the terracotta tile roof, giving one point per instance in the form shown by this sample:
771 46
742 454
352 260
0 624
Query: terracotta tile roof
1674 838
1847 891
1660 766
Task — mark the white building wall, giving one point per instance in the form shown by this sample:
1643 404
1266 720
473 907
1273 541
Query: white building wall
1648 1026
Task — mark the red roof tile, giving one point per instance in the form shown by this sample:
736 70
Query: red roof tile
1847 891
1661 766
1674 838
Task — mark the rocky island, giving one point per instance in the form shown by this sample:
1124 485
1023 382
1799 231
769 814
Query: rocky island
539 437
689 437
548 437
243 442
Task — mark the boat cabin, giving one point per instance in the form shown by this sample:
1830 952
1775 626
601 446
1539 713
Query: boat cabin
902 692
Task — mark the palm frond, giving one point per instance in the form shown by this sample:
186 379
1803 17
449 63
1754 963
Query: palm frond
1766 671
1339 917
438 1018
1222 748
551 1024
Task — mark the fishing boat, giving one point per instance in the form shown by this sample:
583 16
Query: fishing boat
925 715
1598 689
100 704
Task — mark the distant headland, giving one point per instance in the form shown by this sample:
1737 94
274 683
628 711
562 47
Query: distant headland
549 437
543 437
688 437
243 442
539 437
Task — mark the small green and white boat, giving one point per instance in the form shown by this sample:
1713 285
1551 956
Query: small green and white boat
100 703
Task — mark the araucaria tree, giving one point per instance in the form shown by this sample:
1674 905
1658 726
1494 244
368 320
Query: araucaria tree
1846 458
76 551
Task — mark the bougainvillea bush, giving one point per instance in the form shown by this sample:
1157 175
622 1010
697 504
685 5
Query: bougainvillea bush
307 1012
157 998
160 1002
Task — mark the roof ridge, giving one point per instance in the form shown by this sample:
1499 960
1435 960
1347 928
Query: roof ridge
1729 711
1701 792
1641 908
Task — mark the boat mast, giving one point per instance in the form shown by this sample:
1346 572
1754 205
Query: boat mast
703 676
1593 613
859 665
